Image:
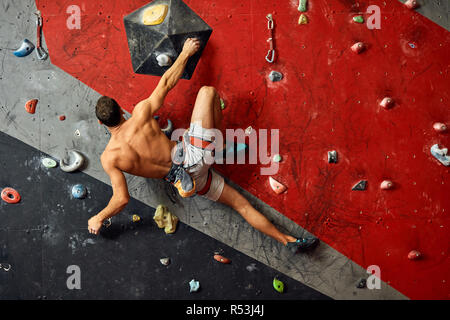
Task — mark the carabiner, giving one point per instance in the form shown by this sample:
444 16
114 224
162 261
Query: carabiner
270 60
3 266
269 21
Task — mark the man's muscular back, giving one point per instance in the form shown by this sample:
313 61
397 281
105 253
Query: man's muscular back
140 148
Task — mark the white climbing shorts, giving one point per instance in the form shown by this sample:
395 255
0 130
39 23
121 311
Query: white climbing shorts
199 155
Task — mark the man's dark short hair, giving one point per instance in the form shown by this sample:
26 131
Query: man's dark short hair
107 111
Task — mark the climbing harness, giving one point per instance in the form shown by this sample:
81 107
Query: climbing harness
5 266
271 53
40 52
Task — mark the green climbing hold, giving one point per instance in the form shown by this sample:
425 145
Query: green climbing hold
302 6
222 104
358 19
276 158
278 285
49 163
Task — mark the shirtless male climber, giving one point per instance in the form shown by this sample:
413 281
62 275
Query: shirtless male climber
139 147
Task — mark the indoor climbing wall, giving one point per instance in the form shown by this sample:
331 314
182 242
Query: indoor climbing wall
329 99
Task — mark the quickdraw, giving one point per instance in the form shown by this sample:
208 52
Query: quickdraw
271 53
40 52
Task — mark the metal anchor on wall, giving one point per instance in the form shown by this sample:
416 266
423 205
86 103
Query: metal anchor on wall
40 52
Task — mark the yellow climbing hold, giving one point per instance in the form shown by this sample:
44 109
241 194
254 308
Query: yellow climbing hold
136 218
303 19
165 219
155 15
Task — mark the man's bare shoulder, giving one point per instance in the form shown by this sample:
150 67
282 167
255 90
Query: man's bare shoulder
108 159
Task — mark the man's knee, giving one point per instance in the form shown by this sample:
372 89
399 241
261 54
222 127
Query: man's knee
207 91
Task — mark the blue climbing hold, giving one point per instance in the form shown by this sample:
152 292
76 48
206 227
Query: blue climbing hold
25 49
79 191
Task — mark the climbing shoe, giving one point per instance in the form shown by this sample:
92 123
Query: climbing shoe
179 178
302 244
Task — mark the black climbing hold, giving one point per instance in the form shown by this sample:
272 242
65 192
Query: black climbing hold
360 186
362 283
147 42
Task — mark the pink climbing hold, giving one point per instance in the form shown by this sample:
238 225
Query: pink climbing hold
358 47
439 127
414 255
387 103
276 186
386 185
30 106
411 4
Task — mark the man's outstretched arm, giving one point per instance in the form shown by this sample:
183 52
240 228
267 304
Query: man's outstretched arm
149 106
118 201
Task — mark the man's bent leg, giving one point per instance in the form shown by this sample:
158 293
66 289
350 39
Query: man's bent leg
235 200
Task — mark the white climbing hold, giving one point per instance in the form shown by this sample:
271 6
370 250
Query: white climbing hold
164 60
73 162
194 285
441 154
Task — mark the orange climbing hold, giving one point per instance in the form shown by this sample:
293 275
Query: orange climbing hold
414 255
277 186
411 4
221 259
30 106
386 185
387 103
358 47
10 195
439 127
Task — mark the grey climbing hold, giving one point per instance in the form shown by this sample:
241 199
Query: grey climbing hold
165 261
194 285
275 76
440 154
252 267
169 129
360 186
25 49
79 191
73 161
332 156
164 60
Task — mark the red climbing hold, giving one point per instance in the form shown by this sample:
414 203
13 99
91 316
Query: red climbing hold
30 106
276 186
358 47
221 259
411 4
62 118
414 255
386 185
439 127
10 195
387 103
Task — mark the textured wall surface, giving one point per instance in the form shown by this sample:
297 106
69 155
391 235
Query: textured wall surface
313 89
